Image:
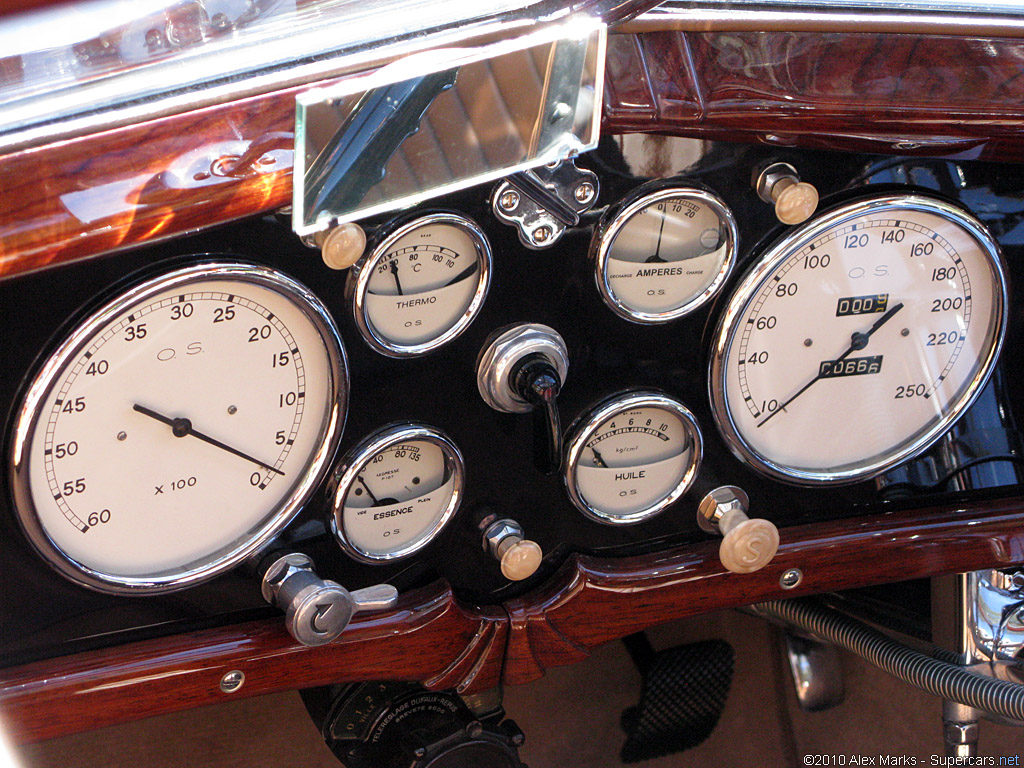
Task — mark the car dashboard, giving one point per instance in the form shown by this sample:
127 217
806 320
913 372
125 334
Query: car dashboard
757 342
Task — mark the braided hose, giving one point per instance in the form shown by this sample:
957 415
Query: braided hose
940 678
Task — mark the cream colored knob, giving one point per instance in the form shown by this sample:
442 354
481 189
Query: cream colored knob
794 200
342 246
795 203
521 560
749 546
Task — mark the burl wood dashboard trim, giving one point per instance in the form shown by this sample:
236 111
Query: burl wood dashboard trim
431 638
906 94
428 637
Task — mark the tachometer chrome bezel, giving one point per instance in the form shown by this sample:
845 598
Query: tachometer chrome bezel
356 459
617 217
583 428
358 284
48 375
780 251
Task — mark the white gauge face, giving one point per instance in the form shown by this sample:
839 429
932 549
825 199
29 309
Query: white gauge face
858 339
423 285
632 457
179 427
665 254
396 492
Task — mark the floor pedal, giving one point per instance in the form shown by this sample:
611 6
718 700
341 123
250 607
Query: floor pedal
683 695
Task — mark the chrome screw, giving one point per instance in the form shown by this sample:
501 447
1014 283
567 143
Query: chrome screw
541 234
232 681
584 193
509 201
122 436
791 578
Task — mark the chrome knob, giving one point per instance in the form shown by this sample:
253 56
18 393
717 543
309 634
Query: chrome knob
794 200
317 610
748 544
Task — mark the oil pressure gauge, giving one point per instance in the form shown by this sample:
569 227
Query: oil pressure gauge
631 456
396 491
421 285
663 252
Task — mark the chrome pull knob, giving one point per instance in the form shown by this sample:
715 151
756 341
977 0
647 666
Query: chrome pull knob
748 544
519 557
317 610
794 200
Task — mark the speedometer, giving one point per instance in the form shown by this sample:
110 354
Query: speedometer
856 340
179 428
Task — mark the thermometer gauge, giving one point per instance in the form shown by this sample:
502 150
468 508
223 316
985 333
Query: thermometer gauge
661 254
396 491
631 456
421 285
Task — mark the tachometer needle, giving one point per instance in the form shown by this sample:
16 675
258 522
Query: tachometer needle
398 283
857 342
182 427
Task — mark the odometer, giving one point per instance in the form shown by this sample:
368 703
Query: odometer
856 340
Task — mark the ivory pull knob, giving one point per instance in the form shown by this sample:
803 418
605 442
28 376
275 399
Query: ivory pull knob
521 560
748 544
794 200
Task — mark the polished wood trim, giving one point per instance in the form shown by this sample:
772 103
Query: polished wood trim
429 637
883 93
593 601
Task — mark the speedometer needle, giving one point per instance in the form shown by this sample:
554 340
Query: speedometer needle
858 342
182 427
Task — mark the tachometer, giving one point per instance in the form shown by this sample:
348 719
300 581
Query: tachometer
179 428
857 339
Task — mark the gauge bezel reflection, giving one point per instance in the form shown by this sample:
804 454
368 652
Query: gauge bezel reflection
356 460
584 428
765 265
358 284
55 368
617 218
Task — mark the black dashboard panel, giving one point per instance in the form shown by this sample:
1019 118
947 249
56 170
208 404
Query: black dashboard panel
44 615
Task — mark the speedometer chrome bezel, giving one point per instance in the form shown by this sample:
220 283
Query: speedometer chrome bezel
55 366
358 284
781 250
583 428
617 218
356 459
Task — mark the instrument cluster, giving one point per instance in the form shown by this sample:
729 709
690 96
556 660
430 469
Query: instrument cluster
212 407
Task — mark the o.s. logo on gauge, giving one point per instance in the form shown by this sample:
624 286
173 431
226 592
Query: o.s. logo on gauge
631 456
396 491
421 285
663 252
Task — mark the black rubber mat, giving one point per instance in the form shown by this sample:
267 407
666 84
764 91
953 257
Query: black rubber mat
684 692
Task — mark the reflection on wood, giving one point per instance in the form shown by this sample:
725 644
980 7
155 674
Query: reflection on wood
883 93
593 601
428 638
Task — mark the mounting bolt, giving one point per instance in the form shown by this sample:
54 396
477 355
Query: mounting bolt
232 681
542 234
584 193
509 200
791 578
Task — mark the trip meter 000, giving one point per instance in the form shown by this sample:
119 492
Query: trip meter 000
858 339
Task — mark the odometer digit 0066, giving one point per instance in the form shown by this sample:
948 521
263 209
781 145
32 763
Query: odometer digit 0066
179 428
858 339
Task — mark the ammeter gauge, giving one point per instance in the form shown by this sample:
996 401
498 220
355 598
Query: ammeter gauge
395 491
858 339
421 285
631 456
179 428
663 252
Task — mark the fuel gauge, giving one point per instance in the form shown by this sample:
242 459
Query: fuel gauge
631 456
396 491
